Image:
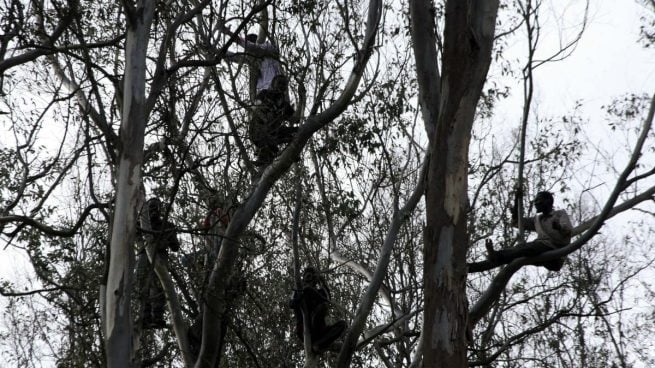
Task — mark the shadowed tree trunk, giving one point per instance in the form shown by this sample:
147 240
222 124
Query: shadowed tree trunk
448 107
118 324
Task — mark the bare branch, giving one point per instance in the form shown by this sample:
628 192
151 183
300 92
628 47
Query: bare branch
7 293
368 297
46 229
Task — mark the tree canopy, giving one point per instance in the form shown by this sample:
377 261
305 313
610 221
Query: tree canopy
417 124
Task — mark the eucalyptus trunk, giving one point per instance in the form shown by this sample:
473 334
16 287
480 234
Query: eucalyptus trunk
118 323
448 106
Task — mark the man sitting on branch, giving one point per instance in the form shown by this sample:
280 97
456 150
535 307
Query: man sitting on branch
553 229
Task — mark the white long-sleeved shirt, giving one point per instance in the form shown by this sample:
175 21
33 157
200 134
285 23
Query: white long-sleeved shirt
543 225
269 66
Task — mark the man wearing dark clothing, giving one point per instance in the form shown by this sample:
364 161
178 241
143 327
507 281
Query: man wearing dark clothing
315 302
267 130
553 229
164 238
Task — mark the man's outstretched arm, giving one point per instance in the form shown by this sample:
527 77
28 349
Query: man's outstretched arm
265 49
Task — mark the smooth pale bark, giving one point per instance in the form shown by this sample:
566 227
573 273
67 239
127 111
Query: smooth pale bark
383 291
468 40
118 326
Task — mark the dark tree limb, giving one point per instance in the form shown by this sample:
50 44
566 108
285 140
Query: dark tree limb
45 48
216 300
46 229
629 204
366 300
7 293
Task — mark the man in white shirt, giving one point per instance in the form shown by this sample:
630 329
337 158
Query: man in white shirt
272 106
553 229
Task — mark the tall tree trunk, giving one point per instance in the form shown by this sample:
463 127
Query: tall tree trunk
118 328
468 40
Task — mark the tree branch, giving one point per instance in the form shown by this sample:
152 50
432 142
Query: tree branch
48 230
216 303
368 297
629 204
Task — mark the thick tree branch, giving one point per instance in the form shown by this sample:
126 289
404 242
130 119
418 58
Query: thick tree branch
423 34
626 205
376 331
8 293
161 74
48 41
48 230
179 324
384 292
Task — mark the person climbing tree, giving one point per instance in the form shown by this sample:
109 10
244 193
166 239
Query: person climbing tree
217 217
164 237
553 229
314 301
271 103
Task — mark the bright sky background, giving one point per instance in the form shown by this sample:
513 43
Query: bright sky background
607 62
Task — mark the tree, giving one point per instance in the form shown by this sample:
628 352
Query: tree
448 104
118 317
146 104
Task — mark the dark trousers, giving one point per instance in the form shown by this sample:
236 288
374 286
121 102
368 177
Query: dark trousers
266 128
152 294
530 249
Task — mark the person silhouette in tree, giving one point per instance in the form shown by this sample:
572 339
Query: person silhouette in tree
269 89
314 299
553 229
164 238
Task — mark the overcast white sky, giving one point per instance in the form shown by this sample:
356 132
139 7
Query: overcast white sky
607 62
